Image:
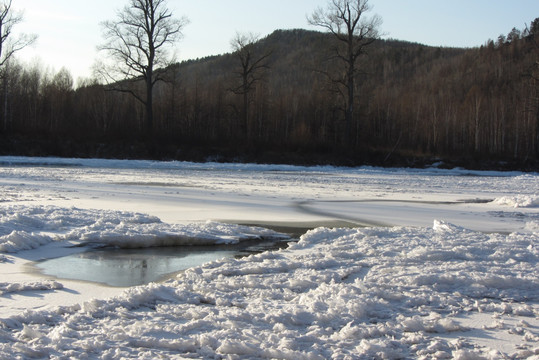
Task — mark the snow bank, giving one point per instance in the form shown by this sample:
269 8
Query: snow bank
23 228
15 161
19 287
382 293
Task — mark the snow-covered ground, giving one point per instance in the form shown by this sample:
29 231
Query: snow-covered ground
447 266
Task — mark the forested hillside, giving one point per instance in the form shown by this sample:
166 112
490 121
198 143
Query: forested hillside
415 104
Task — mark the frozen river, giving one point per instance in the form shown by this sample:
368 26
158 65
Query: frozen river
399 262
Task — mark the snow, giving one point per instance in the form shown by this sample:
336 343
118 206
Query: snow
42 285
29 227
518 201
452 273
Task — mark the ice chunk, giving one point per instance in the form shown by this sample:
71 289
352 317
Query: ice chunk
518 201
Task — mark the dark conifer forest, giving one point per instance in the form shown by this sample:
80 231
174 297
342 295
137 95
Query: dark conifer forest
476 108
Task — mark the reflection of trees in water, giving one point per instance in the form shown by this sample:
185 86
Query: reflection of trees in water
140 271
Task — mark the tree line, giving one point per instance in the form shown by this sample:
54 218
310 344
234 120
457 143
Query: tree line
410 101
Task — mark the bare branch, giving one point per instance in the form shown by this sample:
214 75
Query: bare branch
9 44
140 37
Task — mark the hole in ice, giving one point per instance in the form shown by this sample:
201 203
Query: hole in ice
122 267
132 267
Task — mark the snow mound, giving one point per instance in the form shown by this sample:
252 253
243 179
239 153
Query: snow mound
19 287
518 201
442 227
23 228
382 293
532 226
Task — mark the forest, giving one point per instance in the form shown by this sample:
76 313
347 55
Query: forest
415 105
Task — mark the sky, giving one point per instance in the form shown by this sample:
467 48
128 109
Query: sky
69 31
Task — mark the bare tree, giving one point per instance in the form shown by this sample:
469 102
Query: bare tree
533 73
347 21
533 36
251 70
10 44
138 43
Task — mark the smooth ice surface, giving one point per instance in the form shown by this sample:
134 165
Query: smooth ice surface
449 270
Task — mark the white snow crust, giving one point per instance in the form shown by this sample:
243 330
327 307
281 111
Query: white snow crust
40 285
454 274
28 227
358 293
518 201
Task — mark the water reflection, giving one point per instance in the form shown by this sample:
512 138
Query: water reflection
131 267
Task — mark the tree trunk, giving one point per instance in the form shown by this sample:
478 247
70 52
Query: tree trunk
245 114
349 112
149 100
149 111
6 102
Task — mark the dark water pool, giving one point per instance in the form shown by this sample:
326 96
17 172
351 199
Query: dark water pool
131 267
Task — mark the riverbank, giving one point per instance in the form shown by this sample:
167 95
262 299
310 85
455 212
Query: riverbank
339 156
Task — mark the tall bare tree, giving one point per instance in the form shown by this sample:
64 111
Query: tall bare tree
250 71
139 44
348 22
10 44
533 73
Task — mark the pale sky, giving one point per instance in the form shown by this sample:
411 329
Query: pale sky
69 30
